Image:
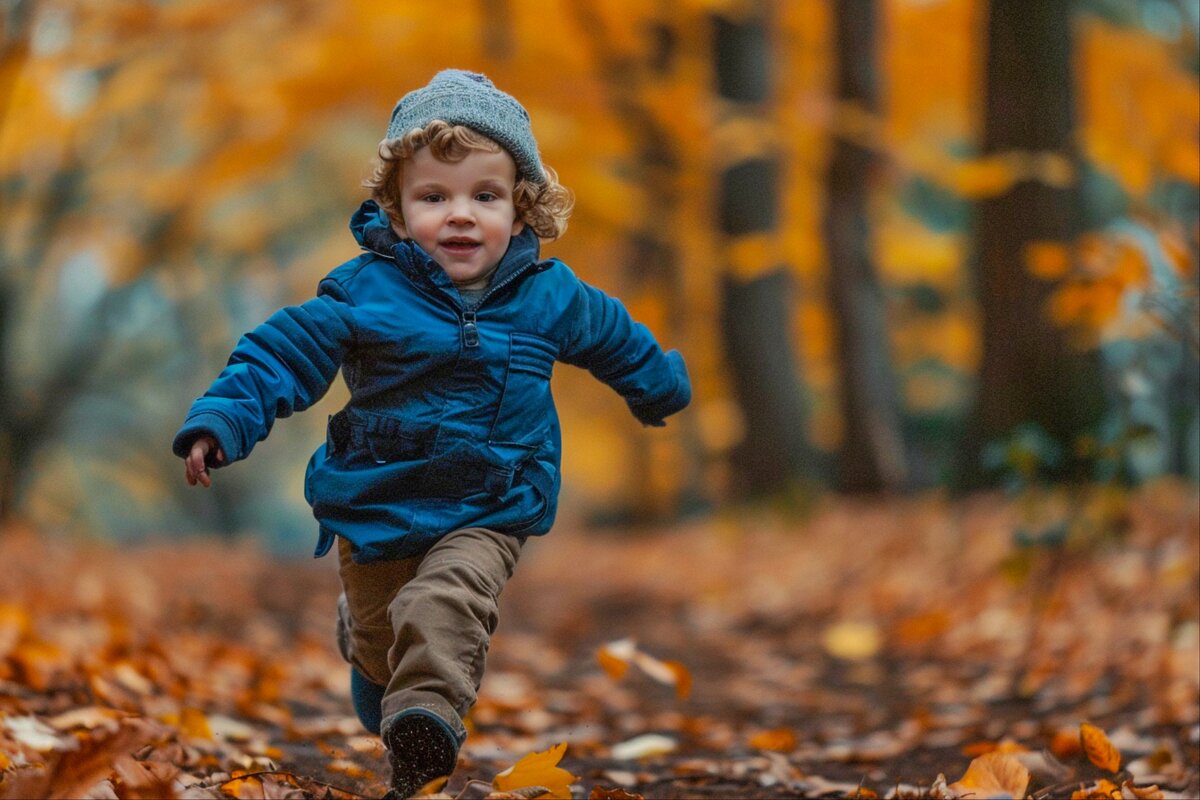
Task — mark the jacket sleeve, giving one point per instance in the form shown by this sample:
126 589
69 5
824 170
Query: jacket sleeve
284 365
624 354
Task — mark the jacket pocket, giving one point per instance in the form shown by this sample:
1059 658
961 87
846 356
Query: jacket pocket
525 411
379 437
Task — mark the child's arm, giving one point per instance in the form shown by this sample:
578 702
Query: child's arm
624 354
284 365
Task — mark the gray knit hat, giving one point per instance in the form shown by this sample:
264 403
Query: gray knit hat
469 98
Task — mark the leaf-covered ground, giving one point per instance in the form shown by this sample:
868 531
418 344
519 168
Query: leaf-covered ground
909 648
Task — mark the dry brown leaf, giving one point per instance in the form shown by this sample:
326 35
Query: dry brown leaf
73 773
605 793
1100 751
138 779
539 769
994 775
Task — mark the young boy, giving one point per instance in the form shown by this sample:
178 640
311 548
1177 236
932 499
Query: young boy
446 457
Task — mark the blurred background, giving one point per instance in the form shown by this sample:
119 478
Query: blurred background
904 245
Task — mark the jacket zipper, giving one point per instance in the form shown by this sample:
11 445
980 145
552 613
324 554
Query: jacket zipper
470 325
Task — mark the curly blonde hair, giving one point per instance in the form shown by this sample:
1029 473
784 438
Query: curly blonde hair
543 207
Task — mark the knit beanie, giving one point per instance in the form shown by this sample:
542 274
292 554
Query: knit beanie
469 98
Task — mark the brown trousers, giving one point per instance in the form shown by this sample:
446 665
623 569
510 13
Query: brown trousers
421 626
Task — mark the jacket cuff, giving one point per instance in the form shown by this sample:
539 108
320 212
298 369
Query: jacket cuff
656 412
212 424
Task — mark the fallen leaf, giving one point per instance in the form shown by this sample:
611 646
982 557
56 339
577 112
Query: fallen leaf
88 717
194 724
138 779
851 641
616 657
1101 790
604 793
1065 744
1099 749
538 769
35 734
779 740
993 775
650 744
1143 792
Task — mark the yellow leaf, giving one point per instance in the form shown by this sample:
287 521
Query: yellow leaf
194 724
1102 790
852 641
994 775
538 769
1099 749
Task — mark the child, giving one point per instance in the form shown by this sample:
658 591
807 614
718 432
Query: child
446 458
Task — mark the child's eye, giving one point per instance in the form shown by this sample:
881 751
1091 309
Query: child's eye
486 197
432 197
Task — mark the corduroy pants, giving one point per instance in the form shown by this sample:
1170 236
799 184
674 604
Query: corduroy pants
421 626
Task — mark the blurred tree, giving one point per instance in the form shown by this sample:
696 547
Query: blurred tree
757 288
632 80
1030 372
873 455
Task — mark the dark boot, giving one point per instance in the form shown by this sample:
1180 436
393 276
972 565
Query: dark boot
421 747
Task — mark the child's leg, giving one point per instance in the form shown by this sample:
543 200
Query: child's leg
417 632
364 632
443 620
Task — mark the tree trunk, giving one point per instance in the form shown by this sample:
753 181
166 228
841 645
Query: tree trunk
873 454
756 298
1030 373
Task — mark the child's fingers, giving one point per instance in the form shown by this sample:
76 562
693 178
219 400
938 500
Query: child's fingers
197 472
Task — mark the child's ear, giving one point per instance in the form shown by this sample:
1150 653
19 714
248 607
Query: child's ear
518 226
398 227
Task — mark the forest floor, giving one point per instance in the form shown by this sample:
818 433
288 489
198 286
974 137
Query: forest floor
910 648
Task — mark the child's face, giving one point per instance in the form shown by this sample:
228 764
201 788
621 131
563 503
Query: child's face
461 212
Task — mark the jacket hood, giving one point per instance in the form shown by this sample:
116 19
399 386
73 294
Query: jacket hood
373 231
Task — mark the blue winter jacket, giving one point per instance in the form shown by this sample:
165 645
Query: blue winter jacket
450 422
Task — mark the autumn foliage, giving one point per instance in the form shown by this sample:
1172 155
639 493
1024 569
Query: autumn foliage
744 657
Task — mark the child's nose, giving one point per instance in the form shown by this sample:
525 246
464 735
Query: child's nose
460 211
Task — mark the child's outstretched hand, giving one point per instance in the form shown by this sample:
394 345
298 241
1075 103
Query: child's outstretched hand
196 469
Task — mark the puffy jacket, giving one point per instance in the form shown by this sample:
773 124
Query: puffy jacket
450 422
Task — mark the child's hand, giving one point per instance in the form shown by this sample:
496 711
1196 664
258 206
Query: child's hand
196 469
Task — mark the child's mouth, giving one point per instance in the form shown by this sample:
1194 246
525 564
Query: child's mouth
459 245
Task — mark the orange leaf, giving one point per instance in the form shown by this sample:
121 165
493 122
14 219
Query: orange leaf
538 769
1065 744
1099 749
614 666
994 775
779 740
683 679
